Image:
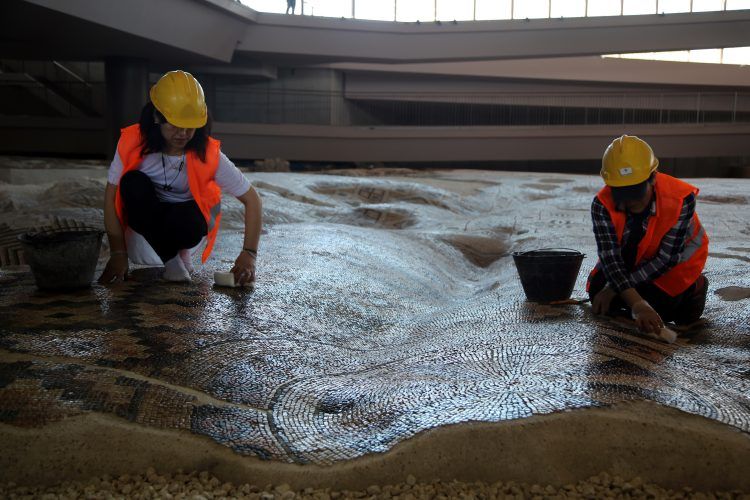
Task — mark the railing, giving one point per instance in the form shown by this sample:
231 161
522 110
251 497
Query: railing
468 10
479 109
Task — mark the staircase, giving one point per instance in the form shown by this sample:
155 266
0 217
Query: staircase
62 89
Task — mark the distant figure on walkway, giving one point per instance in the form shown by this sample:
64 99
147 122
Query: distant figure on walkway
290 4
652 247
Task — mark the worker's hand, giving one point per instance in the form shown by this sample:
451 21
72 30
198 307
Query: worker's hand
647 319
116 269
244 269
602 300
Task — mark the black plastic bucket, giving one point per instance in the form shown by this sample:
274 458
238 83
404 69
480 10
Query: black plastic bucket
548 274
62 259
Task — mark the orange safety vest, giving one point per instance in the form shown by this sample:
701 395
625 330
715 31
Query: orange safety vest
670 194
201 179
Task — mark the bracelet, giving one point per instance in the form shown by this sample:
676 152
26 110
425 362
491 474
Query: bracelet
251 252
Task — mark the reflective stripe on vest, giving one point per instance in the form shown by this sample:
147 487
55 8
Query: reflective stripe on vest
214 212
203 187
670 195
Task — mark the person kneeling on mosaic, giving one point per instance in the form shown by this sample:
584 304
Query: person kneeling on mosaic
163 196
652 247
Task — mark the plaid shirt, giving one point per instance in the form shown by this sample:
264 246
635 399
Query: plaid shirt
618 277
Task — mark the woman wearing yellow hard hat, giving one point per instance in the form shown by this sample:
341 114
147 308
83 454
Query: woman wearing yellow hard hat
652 247
163 196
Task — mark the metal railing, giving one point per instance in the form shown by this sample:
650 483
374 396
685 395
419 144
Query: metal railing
479 109
473 10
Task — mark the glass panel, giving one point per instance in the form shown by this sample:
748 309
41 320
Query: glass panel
738 4
413 10
531 9
635 7
277 6
638 55
705 56
382 10
460 10
493 9
668 6
327 8
737 55
706 5
568 8
675 55
604 7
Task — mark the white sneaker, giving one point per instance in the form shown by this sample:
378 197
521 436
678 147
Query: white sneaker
139 250
174 270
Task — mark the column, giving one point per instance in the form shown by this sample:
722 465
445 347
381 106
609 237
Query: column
127 92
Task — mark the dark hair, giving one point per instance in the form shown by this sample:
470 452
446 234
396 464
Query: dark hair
153 141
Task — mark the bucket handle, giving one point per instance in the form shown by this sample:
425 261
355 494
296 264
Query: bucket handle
550 248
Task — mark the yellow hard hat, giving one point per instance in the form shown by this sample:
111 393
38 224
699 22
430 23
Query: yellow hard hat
179 97
628 161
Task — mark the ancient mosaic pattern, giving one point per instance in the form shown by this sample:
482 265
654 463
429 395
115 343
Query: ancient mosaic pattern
359 336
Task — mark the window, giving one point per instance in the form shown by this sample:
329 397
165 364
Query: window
568 8
635 7
381 10
671 6
493 9
415 10
707 5
327 8
530 9
705 56
604 7
448 10
278 6
738 4
737 55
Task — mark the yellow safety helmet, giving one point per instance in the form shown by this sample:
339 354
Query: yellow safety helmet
628 161
179 97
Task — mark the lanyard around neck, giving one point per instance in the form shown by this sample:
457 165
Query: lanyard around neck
165 186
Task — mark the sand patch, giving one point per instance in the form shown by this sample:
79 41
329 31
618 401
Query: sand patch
289 195
729 200
539 196
555 180
733 293
367 193
479 250
543 187
377 218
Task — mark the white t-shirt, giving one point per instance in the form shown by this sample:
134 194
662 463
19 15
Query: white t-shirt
228 176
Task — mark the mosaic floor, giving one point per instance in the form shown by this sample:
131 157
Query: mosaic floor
384 307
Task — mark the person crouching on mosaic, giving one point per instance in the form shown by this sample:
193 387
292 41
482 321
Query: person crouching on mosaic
163 196
652 247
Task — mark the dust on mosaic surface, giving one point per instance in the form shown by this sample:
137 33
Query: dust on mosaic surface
385 306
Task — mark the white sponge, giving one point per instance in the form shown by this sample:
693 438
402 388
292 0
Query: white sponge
667 335
224 279
227 279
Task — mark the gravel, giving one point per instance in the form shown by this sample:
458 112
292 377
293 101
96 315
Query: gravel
204 486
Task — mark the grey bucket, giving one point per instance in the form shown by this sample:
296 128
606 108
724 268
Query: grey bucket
548 274
61 259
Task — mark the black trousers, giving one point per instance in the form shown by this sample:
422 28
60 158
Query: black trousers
168 227
683 309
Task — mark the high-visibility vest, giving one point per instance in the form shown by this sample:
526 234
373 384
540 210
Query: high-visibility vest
201 179
670 195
